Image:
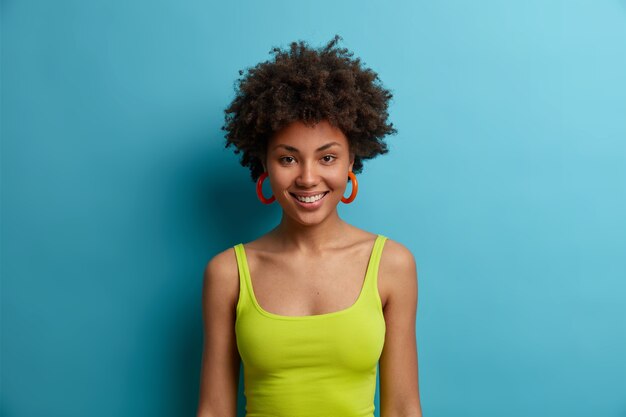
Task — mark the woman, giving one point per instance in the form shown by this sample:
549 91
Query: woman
315 304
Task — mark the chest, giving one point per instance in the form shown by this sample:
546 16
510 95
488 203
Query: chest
301 286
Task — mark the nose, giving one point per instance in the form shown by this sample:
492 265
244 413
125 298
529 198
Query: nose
307 177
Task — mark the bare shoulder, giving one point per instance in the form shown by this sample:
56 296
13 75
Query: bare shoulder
221 275
222 264
396 257
397 270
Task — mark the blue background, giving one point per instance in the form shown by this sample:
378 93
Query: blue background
507 180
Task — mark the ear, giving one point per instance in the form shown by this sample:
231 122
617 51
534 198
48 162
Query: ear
351 161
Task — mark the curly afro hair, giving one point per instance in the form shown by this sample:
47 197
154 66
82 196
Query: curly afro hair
308 85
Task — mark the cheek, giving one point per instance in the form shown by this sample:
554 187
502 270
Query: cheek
339 181
280 181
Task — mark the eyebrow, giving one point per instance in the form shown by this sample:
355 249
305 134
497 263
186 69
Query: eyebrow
321 148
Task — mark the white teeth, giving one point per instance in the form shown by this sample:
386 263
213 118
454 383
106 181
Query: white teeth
310 199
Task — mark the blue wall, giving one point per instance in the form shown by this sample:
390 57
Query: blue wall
507 180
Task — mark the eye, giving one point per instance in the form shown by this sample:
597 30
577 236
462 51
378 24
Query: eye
333 157
286 159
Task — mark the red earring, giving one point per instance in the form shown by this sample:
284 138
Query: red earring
259 190
355 189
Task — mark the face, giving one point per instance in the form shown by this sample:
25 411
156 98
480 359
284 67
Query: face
309 161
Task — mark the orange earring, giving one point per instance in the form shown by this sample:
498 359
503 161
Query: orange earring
259 190
355 189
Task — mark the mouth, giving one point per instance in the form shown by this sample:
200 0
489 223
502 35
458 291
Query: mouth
311 202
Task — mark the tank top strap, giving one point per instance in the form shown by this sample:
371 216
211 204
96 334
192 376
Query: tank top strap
244 276
373 266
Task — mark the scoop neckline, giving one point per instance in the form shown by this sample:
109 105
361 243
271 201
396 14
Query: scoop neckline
266 313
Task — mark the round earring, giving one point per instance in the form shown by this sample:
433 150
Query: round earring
259 190
355 189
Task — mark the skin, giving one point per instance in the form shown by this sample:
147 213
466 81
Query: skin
313 262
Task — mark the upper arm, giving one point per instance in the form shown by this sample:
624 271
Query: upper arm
220 358
399 387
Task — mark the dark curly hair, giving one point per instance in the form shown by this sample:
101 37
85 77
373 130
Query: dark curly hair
308 85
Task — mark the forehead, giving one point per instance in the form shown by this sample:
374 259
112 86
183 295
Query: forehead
303 137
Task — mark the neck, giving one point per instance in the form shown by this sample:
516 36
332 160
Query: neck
310 238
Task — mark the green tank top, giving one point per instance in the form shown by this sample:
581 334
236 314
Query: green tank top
320 365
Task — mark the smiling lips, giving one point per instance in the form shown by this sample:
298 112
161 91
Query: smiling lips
309 200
